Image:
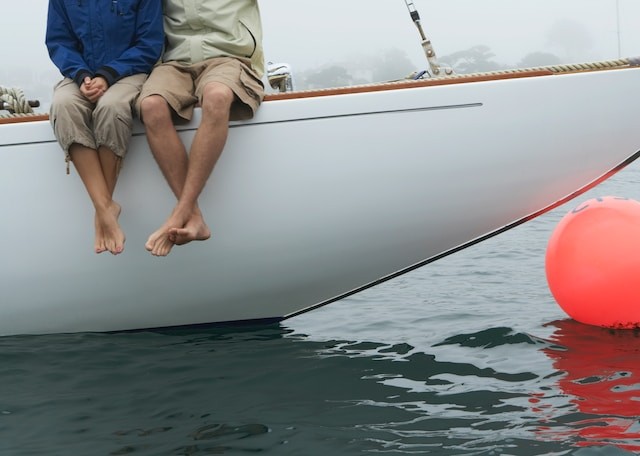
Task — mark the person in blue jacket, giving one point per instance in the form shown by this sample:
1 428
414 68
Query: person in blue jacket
104 50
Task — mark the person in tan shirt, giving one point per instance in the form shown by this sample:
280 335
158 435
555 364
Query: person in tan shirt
213 56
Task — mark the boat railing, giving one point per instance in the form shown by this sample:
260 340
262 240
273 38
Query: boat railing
454 78
457 78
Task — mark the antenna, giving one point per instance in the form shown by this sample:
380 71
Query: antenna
618 27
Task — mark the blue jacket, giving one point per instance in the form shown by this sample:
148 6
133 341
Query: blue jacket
108 38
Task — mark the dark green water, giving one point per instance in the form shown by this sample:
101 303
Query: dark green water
271 390
468 356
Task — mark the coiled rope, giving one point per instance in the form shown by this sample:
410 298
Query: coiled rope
13 101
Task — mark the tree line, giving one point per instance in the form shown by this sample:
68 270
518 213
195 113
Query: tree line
394 64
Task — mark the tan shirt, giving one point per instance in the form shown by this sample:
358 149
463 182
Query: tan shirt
198 30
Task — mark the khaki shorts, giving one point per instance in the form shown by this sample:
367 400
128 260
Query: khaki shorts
182 85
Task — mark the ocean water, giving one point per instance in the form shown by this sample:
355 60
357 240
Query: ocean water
470 355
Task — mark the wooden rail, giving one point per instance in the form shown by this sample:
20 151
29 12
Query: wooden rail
376 87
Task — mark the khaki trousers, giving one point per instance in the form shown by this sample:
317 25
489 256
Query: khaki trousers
108 123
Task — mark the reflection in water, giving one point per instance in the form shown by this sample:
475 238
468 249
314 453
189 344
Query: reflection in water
601 375
467 395
274 391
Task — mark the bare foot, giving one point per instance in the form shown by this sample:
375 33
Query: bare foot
99 245
109 235
177 232
159 243
194 230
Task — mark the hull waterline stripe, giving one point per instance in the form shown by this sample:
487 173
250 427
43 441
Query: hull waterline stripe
471 243
302 119
264 322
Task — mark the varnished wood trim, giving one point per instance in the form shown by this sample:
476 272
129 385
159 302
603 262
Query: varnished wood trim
408 84
396 85
20 119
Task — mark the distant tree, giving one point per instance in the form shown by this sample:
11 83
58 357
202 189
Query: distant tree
391 64
537 59
473 60
332 76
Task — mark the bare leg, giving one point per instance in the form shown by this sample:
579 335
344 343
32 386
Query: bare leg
171 156
165 144
110 164
186 224
109 235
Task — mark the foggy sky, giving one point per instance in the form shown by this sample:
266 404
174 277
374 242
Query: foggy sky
307 34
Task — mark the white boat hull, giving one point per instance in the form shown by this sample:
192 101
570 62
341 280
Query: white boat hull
313 199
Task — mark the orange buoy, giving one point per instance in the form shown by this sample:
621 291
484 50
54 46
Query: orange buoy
592 263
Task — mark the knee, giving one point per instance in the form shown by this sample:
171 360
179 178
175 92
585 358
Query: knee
155 112
109 109
69 110
216 101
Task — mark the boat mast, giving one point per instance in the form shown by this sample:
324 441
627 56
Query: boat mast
426 43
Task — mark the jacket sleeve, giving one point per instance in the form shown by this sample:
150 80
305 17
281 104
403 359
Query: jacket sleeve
63 45
145 50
